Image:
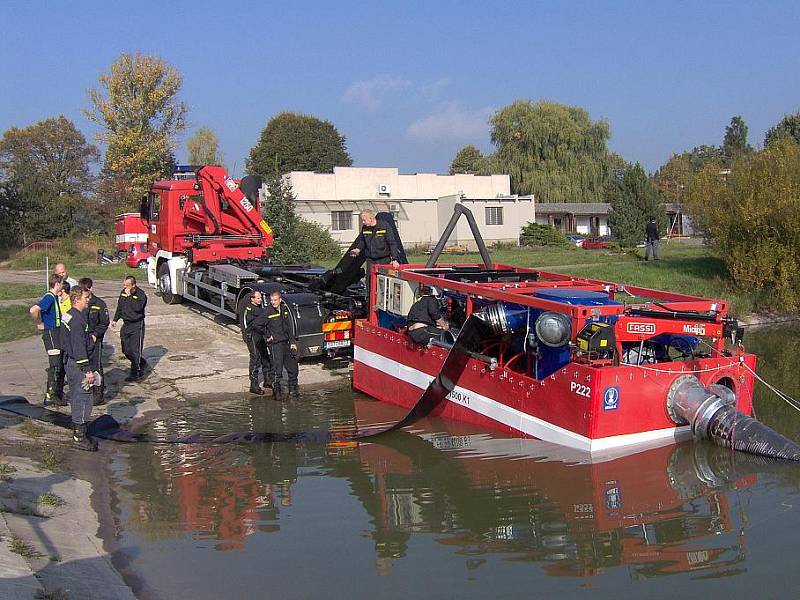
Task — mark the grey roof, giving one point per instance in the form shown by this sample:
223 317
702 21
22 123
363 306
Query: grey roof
573 208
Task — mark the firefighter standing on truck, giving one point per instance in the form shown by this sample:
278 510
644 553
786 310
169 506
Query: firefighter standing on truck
377 243
282 340
77 345
98 318
47 315
130 308
254 321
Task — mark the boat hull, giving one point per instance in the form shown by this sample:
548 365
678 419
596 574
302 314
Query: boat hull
592 409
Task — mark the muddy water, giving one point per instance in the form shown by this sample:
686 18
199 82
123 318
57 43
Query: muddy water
451 511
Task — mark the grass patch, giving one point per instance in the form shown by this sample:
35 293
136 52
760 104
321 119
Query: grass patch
50 460
31 429
6 471
16 323
50 499
18 546
21 291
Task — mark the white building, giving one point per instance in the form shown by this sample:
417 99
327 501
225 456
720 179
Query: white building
422 204
588 218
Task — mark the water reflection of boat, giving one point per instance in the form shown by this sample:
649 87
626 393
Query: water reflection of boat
667 510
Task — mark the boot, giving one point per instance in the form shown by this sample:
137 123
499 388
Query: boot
81 440
277 391
255 389
144 369
98 395
294 390
133 376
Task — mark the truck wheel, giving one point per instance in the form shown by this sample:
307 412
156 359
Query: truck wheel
165 285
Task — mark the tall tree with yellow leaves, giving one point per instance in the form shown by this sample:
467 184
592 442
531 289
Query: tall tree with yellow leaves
141 116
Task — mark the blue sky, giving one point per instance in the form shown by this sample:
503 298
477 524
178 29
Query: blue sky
410 83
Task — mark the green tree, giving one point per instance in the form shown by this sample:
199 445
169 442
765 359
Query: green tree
293 142
635 200
789 126
45 172
752 217
289 245
735 141
141 117
468 160
320 243
54 151
203 148
552 150
674 178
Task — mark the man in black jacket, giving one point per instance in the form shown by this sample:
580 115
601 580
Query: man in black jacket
377 243
77 347
130 308
98 319
282 341
425 320
651 240
254 322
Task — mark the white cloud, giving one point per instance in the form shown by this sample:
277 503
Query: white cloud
452 123
370 93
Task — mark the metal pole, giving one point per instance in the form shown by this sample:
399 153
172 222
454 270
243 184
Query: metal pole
458 210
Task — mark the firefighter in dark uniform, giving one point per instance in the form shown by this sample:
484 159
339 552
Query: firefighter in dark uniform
47 315
282 342
425 321
254 322
98 318
77 346
130 308
377 243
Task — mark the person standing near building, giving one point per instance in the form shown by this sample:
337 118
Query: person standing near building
77 348
130 308
425 321
651 240
377 243
98 319
282 341
254 322
61 270
47 315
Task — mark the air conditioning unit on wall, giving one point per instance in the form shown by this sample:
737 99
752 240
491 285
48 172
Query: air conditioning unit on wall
384 189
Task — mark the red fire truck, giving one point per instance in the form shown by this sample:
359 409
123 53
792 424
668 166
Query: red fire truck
210 245
131 239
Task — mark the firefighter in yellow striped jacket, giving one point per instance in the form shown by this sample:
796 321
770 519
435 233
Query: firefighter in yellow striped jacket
77 347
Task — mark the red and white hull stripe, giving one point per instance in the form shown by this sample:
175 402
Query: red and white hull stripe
511 418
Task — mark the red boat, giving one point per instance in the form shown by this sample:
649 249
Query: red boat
571 360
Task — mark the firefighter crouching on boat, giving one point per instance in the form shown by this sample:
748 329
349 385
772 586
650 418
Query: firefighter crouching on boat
77 346
47 315
425 321
377 243
254 321
282 342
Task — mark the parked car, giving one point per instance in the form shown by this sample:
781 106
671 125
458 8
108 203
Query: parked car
575 238
596 242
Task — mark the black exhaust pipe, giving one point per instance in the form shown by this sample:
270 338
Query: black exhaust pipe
711 413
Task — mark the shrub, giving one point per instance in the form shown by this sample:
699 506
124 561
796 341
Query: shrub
752 217
321 245
534 234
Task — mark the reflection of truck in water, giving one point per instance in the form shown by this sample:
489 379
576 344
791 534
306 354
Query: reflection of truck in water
130 239
210 246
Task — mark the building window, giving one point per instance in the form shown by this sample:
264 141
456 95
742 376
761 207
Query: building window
494 215
341 220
